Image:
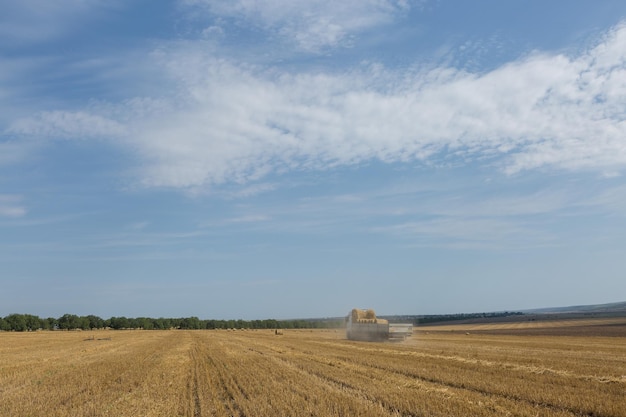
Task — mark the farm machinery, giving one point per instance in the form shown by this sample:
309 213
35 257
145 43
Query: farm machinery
364 325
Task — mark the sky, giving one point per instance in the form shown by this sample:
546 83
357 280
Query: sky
245 159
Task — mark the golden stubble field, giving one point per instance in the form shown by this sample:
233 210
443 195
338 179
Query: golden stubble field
442 371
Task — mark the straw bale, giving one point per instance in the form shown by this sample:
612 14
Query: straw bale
359 314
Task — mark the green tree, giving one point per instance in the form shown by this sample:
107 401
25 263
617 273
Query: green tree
190 323
95 322
82 323
145 323
44 324
119 323
161 323
32 322
133 323
16 322
69 321
52 323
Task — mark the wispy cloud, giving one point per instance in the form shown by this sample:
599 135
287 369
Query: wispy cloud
130 244
463 215
248 190
219 121
11 206
66 125
248 219
312 25
470 233
238 123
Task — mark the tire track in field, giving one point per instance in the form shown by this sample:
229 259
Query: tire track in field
490 394
347 389
230 391
440 385
310 387
111 379
364 394
339 368
326 382
193 384
505 366
509 366
213 375
362 369
468 388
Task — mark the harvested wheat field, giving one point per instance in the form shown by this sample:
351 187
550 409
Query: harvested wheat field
309 373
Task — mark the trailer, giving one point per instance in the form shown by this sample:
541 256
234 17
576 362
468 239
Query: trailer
364 325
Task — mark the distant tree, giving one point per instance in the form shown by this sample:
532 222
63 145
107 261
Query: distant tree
43 324
16 322
69 322
95 322
145 323
32 322
28 322
52 323
133 323
82 323
124 323
190 323
214 324
161 323
119 323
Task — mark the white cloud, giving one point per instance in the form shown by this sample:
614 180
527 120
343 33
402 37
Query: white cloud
233 123
66 125
312 25
221 122
250 190
11 206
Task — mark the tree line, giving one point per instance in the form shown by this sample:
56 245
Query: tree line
437 318
29 322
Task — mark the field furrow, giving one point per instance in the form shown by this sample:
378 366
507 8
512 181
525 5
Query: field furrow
308 373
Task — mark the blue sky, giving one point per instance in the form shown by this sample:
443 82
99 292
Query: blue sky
285 159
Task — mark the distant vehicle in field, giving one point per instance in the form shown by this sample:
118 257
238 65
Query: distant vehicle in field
363 325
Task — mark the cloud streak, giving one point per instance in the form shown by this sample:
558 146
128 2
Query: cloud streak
11 206
313 26
67 125
221 121
237 124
